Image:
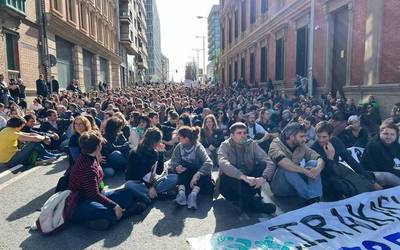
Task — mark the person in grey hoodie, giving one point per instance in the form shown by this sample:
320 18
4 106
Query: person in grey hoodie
193 166
244 169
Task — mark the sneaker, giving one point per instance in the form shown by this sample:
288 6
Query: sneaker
266 208
192 201
181 199
99 225
45 161
137 208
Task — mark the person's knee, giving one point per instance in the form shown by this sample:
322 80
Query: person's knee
172 178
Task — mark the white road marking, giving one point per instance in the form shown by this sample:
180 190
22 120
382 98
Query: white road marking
9 171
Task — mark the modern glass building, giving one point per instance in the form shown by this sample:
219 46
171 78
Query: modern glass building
154 73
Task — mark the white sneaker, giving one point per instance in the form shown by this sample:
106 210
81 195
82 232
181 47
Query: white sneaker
181 199
192 201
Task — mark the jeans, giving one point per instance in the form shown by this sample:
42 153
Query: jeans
88 210
387 179
23 155
117 161
287 183
165 184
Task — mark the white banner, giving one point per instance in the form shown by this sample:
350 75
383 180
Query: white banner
367 221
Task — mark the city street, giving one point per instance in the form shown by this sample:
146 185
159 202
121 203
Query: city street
164 226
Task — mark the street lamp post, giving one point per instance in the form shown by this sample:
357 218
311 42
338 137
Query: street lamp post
204 51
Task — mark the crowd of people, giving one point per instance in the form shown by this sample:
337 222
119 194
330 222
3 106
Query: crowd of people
167 139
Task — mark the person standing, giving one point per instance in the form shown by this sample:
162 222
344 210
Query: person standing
55 86
41 87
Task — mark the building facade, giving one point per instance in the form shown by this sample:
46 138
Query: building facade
355 45
19 41
214 43
165 69
83 36
133 41
154 73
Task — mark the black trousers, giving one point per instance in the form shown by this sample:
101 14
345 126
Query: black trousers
238 190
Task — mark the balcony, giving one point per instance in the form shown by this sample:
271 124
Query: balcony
129 44
14 7
141 63
124 16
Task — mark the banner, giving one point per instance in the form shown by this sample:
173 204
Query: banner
367 221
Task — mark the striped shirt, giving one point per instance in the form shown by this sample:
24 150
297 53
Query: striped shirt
85 178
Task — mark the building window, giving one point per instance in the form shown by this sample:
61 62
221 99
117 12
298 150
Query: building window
230 74
301 51
83 16
104 9
264 6
235 70
71 13
263 64
252 67
12 51
280 59
243 69
99 31
57 5
230 30
98 4
243 9
92 26
236 23
252 11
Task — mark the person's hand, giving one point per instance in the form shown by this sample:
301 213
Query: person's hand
47 140
267 136
152 193
330 151
314 172
194 180
179 169
249 180
160 147
55 136
118 212
376 186
259 182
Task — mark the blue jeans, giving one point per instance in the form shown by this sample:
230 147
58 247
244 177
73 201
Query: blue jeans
286 183
88 210
165 184
117 161
23 155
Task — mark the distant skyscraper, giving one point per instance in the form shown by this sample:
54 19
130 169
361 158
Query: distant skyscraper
165 69
154 73
214 41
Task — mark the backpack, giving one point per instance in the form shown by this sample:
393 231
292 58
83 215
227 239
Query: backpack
345 182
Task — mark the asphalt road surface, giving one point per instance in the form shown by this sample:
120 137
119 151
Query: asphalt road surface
163 226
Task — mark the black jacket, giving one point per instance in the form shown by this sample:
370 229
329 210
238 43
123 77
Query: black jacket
141 161
216 138
378 157
340 151
349 140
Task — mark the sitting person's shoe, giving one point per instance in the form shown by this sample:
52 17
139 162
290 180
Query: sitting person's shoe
135 209
192 201
45 160
181 199
312 201
259 206
168 195
99 224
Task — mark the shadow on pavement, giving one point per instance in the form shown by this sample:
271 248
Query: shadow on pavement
174 215
30 207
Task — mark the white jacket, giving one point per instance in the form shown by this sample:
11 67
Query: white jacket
51 215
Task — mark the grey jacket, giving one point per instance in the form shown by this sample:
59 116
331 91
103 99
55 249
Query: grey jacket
253 155
201 159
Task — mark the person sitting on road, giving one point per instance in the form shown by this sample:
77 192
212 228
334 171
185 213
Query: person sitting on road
382 155
11 136
137 133
299 167
146 164
56 125
244 170
211 137
193 166
354 135
88 203
331 148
